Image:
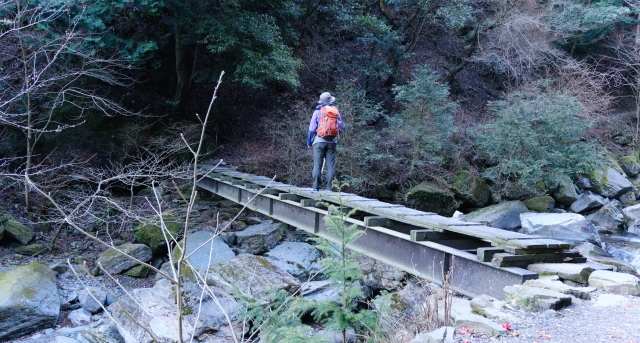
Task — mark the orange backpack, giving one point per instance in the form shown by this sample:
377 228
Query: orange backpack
328 126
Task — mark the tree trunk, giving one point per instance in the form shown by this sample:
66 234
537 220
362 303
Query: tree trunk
182 86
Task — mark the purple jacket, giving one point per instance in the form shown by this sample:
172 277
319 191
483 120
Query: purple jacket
313 125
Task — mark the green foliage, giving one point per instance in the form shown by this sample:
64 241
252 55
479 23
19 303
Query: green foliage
248 37
110 23
362 165
279 320
536 137
342 269
581 24
426 123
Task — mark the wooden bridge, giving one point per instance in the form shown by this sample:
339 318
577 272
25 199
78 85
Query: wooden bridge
486 259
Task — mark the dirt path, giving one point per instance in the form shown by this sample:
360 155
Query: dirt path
584 322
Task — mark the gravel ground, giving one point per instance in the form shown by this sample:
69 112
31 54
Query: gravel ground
586 321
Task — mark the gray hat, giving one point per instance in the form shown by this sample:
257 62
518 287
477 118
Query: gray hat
326 97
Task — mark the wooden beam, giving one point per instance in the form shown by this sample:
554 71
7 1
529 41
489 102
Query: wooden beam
428 235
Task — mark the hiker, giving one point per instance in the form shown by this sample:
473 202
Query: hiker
324 129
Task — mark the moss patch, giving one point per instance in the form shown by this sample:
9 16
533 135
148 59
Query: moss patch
473 190
540 204
152 235
431 198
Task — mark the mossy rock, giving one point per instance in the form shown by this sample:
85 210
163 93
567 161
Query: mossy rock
431 198
540 204
565 193
516 191
139 271
149 192
31 249
29 300
18 231
609 182
630 164
472 190
151 234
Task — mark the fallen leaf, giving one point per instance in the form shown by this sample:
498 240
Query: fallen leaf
506 326
629 305
567 259
513 334
614 335
464 331
544 335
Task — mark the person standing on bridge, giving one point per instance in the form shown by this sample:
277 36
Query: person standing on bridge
324 128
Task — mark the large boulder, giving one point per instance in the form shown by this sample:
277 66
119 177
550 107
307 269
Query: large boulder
116 260
29 300
632 219
578 273
258 239
553 283
463 316
251 275
431 198
102 331
490 307
13 228
92 299
566 192
505 215
473 190
613 282
609 183
630 164
442 335
378 275
607 216
207 319
534 298
563 226
153 234
540 204
215 250
587 202
598 255
301 260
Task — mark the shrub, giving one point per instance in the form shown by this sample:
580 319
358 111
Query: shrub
535 138
426 123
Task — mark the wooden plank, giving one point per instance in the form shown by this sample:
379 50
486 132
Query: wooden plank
538 243
429 235
510 260
309 202
436 219
497 237
371 205
289 196
377 221
485 254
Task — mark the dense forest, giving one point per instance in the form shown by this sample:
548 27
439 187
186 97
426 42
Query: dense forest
518 93
111 111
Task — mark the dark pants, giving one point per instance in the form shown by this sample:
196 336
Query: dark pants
327 152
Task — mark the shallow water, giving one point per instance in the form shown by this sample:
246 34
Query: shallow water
623 246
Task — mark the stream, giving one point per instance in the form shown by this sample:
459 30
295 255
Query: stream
623 246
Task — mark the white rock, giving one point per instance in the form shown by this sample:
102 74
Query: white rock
79 317
301 260
610 300
92 299
613 282
569 227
